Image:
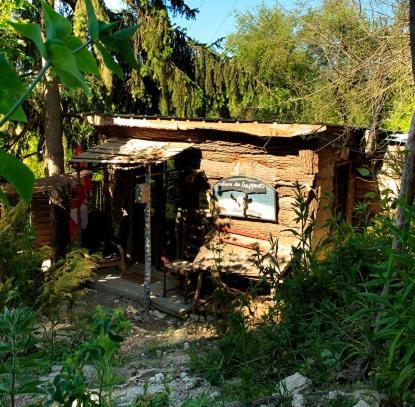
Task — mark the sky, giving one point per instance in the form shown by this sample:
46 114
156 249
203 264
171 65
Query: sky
216 18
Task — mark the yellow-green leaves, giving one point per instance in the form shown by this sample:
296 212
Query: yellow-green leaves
57 26
17 174
65 65
33 32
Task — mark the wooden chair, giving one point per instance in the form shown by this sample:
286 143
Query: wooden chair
97 238
193 232
113 261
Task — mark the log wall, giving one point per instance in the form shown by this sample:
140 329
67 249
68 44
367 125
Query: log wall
279 162
41 220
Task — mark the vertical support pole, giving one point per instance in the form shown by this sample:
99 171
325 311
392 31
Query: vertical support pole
78 207
147 241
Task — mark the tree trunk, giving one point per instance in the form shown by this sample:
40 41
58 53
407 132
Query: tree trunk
52 123
52 119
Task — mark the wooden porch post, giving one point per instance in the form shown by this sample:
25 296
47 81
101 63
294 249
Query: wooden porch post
78 207
147 241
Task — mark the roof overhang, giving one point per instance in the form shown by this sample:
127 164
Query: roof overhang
131 152
255 128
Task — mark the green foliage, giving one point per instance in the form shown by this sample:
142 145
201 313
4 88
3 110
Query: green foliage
20 263
15 172
159 399
18 357
106 333
22 281
60 55
10 91
330 62
328 313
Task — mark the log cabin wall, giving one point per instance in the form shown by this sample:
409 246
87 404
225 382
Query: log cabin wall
279 162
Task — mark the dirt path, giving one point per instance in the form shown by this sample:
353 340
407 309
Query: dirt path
155 357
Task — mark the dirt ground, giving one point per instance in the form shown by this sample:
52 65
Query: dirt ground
156 354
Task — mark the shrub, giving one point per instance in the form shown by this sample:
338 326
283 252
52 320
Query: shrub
20 263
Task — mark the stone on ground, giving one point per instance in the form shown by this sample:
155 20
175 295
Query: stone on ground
293 384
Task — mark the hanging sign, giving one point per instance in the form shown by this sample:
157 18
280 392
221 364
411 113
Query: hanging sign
244 197
142 193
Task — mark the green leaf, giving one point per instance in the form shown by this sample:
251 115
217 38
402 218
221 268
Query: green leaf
85 60
124 48
29 387
374 297
125 34
364 172
105 28
8 77
109 61
7 99
10 91
15 172
65 65
5 200
33 32
370 195
93 26
393 346
57 26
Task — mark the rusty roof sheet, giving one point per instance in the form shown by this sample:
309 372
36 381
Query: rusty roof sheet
51 183
132 152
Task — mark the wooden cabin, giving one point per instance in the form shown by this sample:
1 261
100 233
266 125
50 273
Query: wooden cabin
50 210
249 170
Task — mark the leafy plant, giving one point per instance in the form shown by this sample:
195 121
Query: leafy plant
159 399
63 284
68 58
106 333
18 356
20 263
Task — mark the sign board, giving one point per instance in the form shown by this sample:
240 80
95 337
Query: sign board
244 197
142 193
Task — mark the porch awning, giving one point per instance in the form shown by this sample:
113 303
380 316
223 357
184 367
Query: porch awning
133 152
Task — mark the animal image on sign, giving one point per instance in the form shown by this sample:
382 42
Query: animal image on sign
244 197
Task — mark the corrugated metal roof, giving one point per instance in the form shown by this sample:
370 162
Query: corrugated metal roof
131 152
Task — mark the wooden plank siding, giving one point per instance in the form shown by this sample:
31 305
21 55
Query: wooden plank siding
280 157
278 162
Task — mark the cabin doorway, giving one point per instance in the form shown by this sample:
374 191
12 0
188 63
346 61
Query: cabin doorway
341 189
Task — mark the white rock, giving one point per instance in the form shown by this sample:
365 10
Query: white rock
295 383
372 397
158 314
194 317
335 393
361 403
298 400
183 375
186 345
90 374
158 377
